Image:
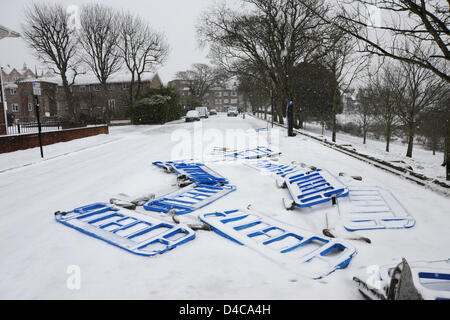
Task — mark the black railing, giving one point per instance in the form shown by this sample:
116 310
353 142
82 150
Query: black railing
32 127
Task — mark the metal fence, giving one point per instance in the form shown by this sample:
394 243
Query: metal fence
32 127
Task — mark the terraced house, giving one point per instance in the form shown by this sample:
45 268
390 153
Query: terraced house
219 97
88 97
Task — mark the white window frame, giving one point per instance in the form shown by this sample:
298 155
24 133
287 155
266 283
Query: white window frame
217 101
30 106
218 94
226 101
15 107
13 91
233 93
234 101
112 104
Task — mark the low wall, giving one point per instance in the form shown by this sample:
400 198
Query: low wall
26 141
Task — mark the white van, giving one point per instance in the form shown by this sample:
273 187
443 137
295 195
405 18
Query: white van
203 111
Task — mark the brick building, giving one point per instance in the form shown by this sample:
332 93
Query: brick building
87 94
12 75
9 79
218 97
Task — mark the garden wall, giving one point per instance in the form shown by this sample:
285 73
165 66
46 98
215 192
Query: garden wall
24 141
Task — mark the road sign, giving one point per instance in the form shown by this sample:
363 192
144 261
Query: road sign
36 88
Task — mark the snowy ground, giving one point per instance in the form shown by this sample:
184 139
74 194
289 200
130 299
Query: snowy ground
423 160
36 251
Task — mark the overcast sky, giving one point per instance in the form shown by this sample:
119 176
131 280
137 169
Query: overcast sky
176 18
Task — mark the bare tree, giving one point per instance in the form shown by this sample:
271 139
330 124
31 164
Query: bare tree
364 110
433 122
344 64
141 48
200 79
99 36
48 31
383 93
385 28
419 88
274 35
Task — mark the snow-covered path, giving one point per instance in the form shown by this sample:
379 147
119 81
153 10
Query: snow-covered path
36 251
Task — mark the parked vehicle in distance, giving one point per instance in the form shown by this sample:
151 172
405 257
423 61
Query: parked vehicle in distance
213 112
192 115
203 112
232 112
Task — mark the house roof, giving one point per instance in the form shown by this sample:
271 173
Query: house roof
90 78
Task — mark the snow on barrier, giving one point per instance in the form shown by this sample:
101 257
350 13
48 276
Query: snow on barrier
193 171
373 207
272 167
188 199
299 250
314 187
253 153
122 228
429 280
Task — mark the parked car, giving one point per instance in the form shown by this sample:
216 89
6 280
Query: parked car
192 115
232 112
213 112
203 112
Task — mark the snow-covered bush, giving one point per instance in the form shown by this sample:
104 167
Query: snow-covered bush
157 106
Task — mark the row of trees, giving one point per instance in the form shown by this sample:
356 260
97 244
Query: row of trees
96 38
272 43
405 95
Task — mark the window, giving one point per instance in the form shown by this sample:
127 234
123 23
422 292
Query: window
233 93
112 104
15 107
83 105
218 101
234 101
126 85
226 101
96 87
82 88
110 87
30 106
13 91
218 94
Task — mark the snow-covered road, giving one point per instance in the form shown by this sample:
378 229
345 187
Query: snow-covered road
36 251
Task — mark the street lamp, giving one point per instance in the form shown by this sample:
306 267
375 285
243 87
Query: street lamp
5 33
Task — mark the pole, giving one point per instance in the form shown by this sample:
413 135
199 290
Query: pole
36 102
290 116
271 104
5 106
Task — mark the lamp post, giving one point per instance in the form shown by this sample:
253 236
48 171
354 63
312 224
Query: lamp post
5 33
